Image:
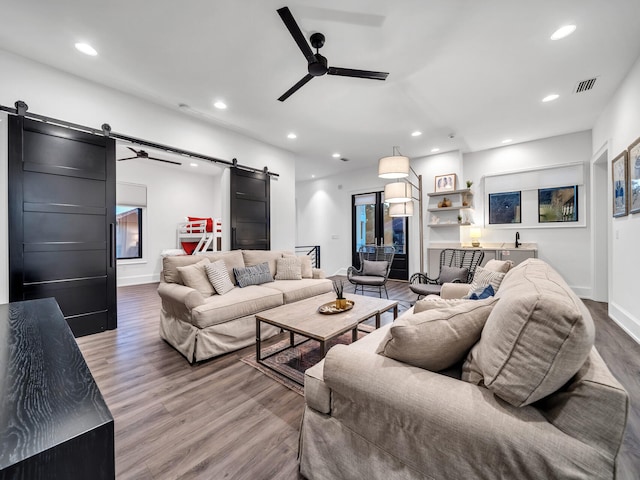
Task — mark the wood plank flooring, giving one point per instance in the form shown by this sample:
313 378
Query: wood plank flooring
222 419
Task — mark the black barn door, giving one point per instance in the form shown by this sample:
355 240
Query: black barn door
62 221
250 210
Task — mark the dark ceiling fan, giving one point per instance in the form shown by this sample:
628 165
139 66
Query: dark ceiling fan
317 64
144 154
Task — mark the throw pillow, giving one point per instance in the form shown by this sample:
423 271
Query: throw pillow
437 302
481 293
195 276
502 266
537 337
305 264
453 274
483 277
209 225
219 277
374 268
288 268
436 339
254 275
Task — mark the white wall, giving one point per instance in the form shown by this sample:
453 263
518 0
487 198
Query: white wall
618 126
324 209
567 248
56 94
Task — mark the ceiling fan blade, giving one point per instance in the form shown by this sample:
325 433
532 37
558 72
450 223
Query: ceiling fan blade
295 88
296 33
165 161
350 72
128 158
133 150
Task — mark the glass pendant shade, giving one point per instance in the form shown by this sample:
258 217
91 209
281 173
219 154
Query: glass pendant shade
401 209
397 192
396 166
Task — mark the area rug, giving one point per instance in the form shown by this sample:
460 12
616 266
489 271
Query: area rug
295 360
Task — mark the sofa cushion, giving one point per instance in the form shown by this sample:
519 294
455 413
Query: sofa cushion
256 257
288 268
375 268
219 277
438 338
239 302
170 266
483 277
453 274
195 276
254 275
301 289
536 338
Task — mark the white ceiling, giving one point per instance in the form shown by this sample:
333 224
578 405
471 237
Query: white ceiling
475 69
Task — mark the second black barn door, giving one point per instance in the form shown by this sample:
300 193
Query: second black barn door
250 210
62 220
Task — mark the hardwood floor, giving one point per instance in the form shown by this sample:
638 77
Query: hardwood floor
224 419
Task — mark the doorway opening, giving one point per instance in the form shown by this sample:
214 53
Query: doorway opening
372 225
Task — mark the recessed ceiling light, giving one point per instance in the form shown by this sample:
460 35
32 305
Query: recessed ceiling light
193 164
336 155
86 49
292 136
416 134
313 176
550 98
220 105
507 140
434 150
563 32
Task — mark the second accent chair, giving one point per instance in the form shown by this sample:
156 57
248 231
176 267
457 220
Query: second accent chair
375 265
457 265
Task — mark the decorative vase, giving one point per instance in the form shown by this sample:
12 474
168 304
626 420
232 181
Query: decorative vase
341 303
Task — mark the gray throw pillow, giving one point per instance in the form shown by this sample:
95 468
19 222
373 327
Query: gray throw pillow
254 275
453 274
374 268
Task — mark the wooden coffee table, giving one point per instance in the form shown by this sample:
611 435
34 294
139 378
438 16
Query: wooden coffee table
304 319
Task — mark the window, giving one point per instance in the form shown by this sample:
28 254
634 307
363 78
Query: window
128 232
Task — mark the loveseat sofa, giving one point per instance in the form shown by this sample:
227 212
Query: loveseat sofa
200 323
531 399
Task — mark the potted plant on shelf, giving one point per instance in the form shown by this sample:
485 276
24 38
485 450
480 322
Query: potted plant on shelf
469 183
459 218
338 287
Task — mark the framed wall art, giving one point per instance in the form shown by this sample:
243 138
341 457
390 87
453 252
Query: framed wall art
559 204
445 183
504 207
634 176
619 184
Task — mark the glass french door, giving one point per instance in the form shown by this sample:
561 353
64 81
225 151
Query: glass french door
372 225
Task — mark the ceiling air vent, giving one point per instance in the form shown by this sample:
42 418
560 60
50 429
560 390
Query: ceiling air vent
585 85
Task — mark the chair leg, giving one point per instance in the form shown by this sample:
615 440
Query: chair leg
385 292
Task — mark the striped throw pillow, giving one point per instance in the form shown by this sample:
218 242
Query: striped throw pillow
219 277
483 277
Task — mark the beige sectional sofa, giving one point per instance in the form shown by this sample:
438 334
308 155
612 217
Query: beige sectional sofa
532 399
201 326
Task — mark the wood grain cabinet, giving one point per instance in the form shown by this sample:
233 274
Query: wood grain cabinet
54 423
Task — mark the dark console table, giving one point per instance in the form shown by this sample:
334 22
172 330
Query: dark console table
54 423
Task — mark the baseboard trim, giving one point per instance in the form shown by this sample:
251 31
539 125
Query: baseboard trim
138 279
582 292
626 321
